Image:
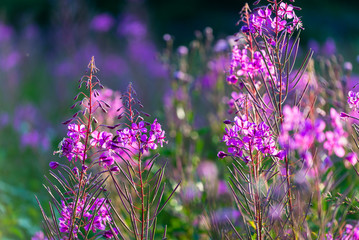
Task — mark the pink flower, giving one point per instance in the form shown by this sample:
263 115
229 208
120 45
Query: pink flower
278 24
286 10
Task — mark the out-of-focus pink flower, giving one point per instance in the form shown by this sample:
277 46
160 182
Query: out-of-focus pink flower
208 171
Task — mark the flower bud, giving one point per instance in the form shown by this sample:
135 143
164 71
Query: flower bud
54 165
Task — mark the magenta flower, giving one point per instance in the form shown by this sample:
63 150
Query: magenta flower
76 131
71 148
242 66
140 138
286 10
245 137
278 24
264 14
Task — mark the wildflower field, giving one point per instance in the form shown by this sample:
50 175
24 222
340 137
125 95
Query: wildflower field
113 128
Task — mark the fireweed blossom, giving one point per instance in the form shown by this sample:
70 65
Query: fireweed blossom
141 136
242 65
267 23
300 134
266 20
150 136
72 147
243 138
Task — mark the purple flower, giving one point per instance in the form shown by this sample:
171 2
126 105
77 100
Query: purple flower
286 10
278 24
243 66
245 136
304 131
71 148
76 131
140 127
102 22
264 14
66 147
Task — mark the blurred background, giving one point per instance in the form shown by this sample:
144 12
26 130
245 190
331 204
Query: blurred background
45 46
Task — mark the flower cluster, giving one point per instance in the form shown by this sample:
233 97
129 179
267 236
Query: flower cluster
305 132
300 133
139 137
243 65
246 136
72 147
267 20
353 99
95 217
